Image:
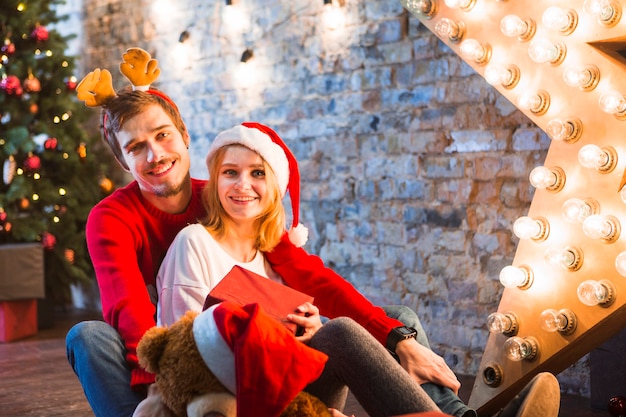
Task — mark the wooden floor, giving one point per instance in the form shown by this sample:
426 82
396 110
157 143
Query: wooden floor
36 379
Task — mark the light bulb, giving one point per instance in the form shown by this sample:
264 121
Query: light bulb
563 321
565 21
537 102
507 77
515 277
576 210
620 263
474 50
448 29
613 102
569 258
542 50
542 177
605 228
586 78
461 4
606 12
504 323
622 194
518 349
594 293
568 130
426 8
592 156
528 228
514 26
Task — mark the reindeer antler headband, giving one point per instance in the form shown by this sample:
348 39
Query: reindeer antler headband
96 88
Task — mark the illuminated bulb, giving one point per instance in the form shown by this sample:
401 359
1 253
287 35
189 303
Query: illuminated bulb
518 349
576 210
528 228
613 102
514 277
568 130
569 258
542 177
607 12
605 228
333 15
565 21
537 103
563 321
474 50
505 323
461 4
594 293
584 78
542 50
448 29
514 26
426 8
602 159
507 77
620 263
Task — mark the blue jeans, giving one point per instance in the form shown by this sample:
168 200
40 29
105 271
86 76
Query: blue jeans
444 397
97 354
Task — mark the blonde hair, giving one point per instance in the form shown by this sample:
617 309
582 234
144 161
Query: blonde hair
269 226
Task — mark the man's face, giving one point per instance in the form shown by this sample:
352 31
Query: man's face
155 152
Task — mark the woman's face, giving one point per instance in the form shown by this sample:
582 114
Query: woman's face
241 184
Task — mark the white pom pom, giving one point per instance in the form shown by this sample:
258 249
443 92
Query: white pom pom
298 235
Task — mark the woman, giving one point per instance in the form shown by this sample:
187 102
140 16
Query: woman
246 219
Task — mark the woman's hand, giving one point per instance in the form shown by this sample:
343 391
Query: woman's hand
310 321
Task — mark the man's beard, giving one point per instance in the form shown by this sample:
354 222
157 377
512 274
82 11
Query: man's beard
171 190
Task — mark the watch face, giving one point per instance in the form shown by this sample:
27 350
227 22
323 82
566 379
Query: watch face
406 331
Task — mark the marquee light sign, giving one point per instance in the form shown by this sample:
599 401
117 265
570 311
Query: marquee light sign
562 63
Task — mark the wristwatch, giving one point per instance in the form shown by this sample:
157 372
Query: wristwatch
398 334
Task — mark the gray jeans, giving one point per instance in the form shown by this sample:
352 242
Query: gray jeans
444 397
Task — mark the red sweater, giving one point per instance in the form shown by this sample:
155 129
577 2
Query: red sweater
127 239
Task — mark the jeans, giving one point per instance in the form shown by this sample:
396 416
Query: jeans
444 397
97 355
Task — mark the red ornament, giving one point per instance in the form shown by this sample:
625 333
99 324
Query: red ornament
32 163
617 406
71 83
11 85
50 144
48 240
8 48
40 34
3 216
32 84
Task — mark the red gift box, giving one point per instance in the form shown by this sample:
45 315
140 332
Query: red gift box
18 319
245 287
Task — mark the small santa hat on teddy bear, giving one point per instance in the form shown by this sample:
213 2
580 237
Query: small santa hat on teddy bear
266 142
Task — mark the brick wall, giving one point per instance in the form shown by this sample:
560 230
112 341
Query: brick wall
413 168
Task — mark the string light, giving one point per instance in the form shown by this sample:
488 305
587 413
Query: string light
514 26
519 349
549 179
503 323
528 228
569 258
565 21
516 277
601 159
562 321
567 130
596 293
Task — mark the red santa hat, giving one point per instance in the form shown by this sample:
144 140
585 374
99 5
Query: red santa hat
273 150
255 357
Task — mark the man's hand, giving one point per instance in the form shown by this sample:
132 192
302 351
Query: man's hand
310 322
152 406
424 365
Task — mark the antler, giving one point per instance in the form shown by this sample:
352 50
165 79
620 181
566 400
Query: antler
139 67
96 88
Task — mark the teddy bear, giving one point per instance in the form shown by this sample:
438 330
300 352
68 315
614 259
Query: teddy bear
203 359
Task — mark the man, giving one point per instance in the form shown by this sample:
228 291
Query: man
128 234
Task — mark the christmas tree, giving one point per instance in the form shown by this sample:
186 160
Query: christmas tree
52 176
